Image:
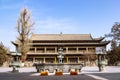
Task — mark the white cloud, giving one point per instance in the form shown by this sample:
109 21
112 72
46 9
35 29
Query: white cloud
53 25
50 24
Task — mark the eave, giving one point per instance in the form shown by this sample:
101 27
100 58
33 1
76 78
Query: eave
65 44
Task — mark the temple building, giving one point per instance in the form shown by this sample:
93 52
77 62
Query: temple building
77 48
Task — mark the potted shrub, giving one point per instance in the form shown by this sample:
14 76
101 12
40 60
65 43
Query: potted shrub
73 72
44 73
58 72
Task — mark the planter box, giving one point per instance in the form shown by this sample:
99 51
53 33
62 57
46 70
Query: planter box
44 73
59 73
73 73
65 67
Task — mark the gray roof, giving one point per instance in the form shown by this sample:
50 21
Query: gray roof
61 37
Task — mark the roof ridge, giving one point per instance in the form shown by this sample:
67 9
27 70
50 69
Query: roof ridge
61 34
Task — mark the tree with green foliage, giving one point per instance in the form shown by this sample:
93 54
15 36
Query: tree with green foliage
114 54
24 26
3 53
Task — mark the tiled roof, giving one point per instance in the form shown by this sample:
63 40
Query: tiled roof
61 37
93 43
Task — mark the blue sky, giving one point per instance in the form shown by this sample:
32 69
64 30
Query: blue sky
95 17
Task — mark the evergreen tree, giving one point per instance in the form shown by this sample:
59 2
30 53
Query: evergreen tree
3 53
114 54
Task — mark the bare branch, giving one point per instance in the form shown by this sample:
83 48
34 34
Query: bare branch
24 26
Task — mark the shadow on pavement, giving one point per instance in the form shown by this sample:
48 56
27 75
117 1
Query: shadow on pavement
27 76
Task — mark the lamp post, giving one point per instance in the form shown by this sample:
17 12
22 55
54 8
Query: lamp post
100 51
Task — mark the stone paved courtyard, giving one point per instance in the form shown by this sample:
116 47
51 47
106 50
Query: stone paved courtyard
30 76
87 73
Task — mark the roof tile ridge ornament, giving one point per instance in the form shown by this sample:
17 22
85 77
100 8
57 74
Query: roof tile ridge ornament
61 33
61 36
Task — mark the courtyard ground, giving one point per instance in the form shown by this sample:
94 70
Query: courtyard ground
87 73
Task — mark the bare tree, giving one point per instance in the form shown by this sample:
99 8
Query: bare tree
24 27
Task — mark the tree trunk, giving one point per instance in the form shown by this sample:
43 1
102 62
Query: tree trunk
24 58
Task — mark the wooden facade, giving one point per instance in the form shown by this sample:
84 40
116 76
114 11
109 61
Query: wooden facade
77 48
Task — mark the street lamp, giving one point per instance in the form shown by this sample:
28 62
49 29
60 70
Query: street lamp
100 51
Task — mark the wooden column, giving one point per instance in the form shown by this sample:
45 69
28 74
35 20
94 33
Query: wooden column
33 59
67 59
35 50
77 50
44 60
88 60
66 49
78 60
44 49
87 49
55 50
55 60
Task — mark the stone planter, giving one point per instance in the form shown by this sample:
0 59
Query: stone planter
44 73
58 73
73 73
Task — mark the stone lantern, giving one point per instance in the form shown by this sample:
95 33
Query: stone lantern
60 55
101 61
